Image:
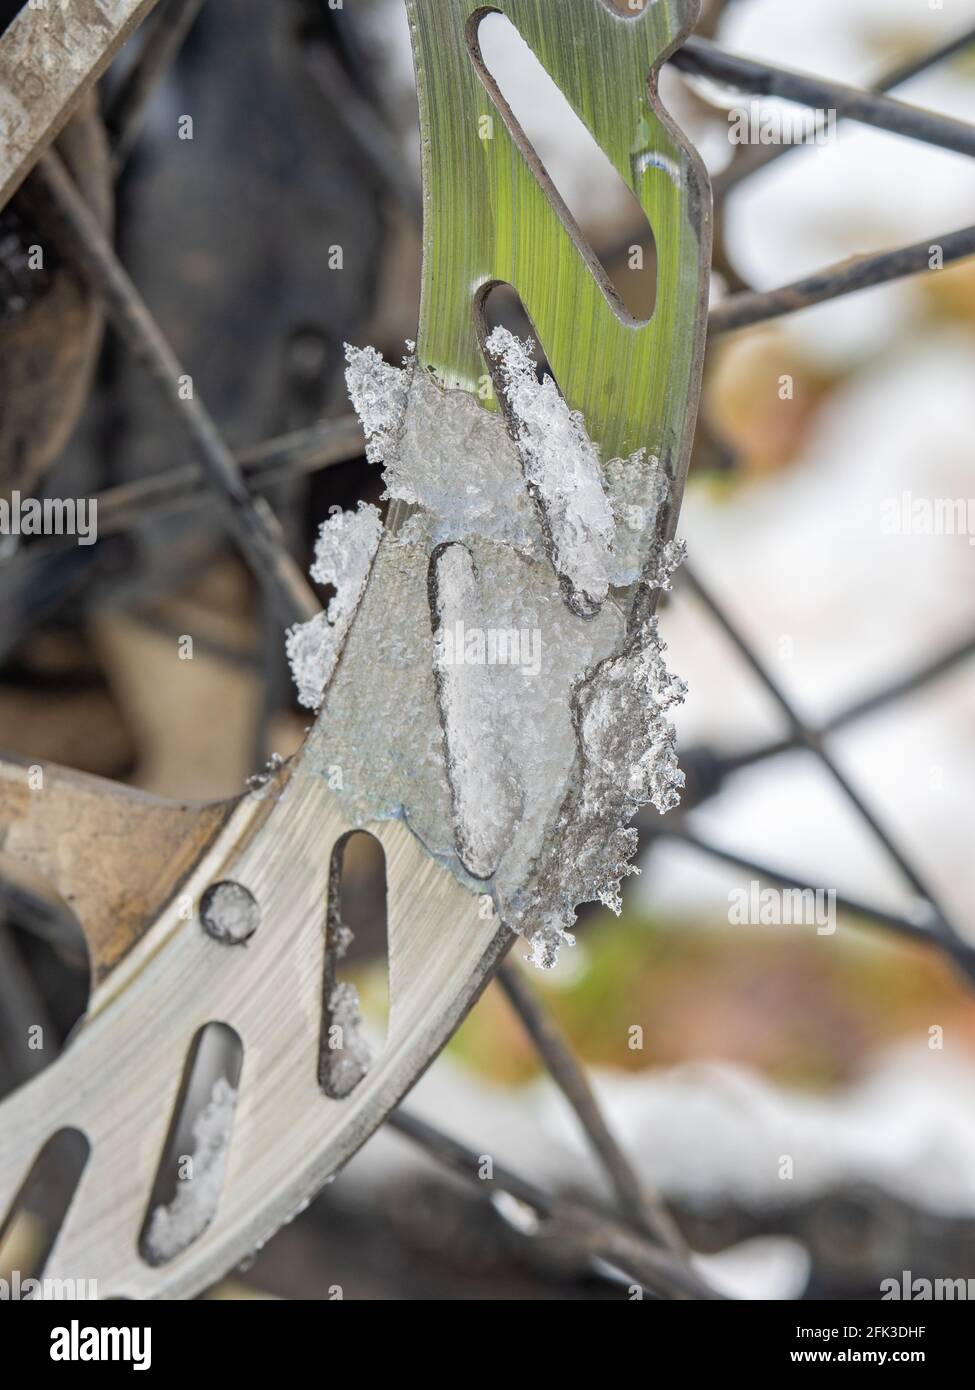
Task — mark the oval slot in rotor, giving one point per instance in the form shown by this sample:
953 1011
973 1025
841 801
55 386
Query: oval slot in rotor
187 1187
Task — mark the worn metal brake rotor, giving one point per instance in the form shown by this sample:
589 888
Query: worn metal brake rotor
139 873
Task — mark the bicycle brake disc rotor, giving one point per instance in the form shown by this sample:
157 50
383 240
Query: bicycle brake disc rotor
218 914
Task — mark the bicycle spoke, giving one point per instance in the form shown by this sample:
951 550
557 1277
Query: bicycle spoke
127 506
168 25
749 159
642 1206
289 456
932 934
847 277
251 521
858 709
810 739
366 131
585 1231
703 58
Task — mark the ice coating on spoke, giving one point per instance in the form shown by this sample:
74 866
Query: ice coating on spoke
503 689
562 468
174 1227
344 552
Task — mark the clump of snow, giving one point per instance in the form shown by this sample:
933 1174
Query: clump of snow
489 692
443 452
345 1054
628 759
344 553
229 913
562 470
174 1227
345 1064
379 393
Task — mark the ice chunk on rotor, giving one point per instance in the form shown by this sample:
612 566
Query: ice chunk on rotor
507 652
628 759
445 453
484 809
520 763
562 470
344 553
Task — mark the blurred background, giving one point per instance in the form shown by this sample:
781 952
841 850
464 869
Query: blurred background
804 1101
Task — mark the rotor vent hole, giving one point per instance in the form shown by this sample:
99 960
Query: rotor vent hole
187 1188
229 913
501 307
594 202
355 989
30 1228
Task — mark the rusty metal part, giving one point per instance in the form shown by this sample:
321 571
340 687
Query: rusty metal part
114 855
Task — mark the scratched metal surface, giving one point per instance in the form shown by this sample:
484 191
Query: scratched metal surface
492 214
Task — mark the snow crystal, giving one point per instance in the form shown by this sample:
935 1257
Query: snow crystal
638 490
518 1214
258 782
174 1227
562 469
344 553
651 159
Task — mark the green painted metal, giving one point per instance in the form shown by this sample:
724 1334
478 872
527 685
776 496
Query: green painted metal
491 214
